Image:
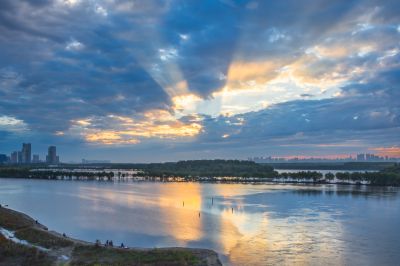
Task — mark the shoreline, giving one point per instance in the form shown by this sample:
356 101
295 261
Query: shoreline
24 233
253 181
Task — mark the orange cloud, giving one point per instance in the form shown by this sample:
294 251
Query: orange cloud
126 130
245 74
388 151
109 138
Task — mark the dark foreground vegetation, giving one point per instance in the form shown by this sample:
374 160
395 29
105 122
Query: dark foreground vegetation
61 250
92 255
13 254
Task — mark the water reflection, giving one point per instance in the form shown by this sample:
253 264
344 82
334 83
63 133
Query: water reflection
246 224
349 191
181 211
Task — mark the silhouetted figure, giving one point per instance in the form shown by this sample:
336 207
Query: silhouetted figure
36 222
107 243
111 243
64 235
199 214
122 245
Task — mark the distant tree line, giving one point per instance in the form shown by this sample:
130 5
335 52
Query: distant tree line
19 172
209 168
387 177
312 175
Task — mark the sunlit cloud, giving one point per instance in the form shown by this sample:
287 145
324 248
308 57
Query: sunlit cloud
110 137
242 75
186 104
156 124
387 151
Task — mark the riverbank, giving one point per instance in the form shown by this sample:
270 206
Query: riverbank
24 241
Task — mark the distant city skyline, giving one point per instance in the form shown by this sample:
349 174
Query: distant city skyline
362 157
25 156
175 80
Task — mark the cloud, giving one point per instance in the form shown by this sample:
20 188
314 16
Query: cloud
388 151
252 71
74 46
308 123
11 124
118 130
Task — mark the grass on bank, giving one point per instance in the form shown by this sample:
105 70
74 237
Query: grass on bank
12 220
42 238
13 254
99 256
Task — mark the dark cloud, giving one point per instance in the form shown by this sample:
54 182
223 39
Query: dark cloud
212 29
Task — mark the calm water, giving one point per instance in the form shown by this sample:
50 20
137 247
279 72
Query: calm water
269 224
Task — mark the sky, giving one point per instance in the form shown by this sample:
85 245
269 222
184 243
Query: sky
149 81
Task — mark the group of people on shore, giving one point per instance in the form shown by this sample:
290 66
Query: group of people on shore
108 243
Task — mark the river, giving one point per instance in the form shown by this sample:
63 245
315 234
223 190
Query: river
265 224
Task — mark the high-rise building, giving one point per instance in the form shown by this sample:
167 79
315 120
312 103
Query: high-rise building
35 159
361 157
3 158
52 157
26 153
19 156
14 157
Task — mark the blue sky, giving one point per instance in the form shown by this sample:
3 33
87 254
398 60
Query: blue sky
140 81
